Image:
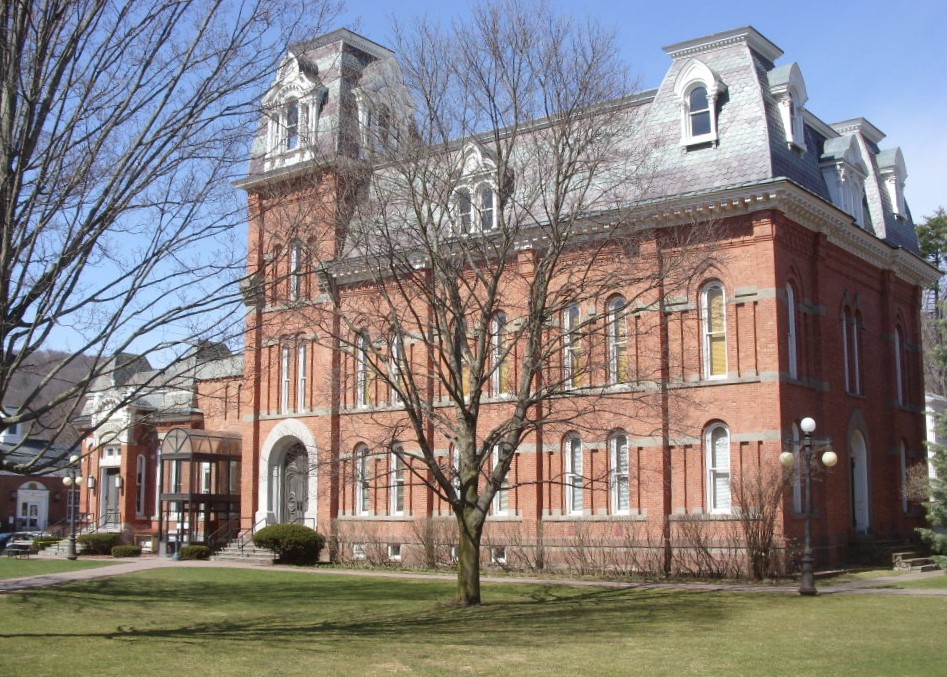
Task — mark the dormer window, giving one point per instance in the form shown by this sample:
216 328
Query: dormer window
789 90
845 172
893 173
698 90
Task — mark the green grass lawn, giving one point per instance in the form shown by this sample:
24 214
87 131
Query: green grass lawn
15 568
259 622
933 583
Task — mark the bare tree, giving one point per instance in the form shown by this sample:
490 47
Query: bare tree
121 125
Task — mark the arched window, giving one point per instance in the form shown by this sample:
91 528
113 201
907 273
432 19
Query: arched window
714 330
395 360
363 383
501 500
574 483
398 473
501 374
699 112
899 366
572 367
362 481
284 380
295 270
140 485
851 350
717 443
792 340
617 341
487 214
620 473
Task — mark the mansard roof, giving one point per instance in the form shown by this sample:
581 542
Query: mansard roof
750 142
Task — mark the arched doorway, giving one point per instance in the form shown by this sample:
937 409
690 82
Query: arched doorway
294 492
288 486
859 482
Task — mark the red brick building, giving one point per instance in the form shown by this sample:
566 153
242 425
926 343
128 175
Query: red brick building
808 306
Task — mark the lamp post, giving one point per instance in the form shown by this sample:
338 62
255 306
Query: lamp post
829 459
72 480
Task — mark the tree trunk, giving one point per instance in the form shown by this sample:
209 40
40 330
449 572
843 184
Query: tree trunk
468 563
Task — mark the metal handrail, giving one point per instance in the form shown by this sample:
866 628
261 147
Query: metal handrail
245 536
227 530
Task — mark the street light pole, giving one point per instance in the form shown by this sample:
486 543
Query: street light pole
787 459
73 481
807 585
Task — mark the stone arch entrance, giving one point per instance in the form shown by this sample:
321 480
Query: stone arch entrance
288 481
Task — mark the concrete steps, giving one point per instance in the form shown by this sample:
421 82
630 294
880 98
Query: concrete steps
912 560
248 553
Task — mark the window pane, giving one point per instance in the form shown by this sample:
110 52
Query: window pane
700 123
463 208
698 100
486 208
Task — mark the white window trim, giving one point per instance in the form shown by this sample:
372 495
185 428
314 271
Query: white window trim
398 492
141 482
394 552
301 376
575 485
498 554
619 479
498 326
501 500
707 335
617 339
362 481
395 358
284 380
571 317
361 371
295 271
714 502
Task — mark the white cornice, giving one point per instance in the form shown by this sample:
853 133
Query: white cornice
747 34
798 204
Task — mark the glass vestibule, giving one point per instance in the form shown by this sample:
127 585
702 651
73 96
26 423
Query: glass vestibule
199 488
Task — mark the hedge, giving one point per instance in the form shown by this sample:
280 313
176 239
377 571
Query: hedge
98 543
126 551
292 543
195 552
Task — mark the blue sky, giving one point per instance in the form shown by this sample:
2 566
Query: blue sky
884 61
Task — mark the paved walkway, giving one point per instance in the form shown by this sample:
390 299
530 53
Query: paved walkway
873 586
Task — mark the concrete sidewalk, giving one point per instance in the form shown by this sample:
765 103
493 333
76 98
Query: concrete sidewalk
874 586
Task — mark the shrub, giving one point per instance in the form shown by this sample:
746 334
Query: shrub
292 543
99 543
195 552
126 551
